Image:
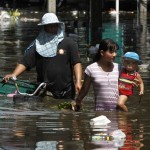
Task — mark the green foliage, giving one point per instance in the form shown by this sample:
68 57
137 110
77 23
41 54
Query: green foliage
65 105
14 13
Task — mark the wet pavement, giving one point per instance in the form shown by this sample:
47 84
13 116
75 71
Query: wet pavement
41 126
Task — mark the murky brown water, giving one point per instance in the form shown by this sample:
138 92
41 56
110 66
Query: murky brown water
31 125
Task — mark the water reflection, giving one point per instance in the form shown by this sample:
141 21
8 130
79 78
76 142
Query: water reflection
32 125
25 128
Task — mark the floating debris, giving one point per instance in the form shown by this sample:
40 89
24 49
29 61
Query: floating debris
101 121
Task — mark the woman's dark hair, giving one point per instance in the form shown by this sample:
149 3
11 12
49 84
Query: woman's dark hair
105 44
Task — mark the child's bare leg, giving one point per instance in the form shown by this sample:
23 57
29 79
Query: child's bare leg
121 102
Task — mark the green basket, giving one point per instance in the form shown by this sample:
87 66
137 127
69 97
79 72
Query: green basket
24 87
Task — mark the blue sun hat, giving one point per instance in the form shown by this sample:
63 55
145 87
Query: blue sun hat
49 18
132 55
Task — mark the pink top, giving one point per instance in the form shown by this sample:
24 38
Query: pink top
105 86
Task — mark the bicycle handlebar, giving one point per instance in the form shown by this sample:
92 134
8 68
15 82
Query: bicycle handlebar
42 85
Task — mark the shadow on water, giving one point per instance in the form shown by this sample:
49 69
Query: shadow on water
32 125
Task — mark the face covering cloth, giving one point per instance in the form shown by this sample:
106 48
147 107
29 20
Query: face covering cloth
46 44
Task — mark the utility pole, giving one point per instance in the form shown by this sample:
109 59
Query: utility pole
143 5
51 6
117 12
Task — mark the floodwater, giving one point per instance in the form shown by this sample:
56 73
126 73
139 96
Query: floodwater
41 126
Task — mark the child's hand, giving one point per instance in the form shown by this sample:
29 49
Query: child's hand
141 93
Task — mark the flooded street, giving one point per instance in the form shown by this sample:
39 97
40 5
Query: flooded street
41 126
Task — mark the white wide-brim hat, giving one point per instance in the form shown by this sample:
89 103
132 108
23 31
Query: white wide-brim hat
49 18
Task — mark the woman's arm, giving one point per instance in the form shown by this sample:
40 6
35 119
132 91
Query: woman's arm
17 71
78 77
28 61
